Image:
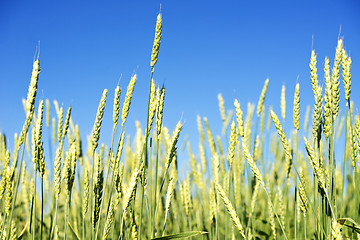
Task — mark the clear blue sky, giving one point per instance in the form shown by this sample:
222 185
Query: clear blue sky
208 47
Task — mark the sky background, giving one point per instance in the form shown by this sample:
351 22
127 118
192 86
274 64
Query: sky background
207 47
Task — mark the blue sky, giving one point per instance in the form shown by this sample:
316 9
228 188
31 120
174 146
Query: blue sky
208 47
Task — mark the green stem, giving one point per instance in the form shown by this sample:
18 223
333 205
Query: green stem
343 168
155 189
122 225
16 184
83 228
307 196
42 207
66 215
34 209
145 153
272 206
106 183
54 222
305 226
91 190
141 209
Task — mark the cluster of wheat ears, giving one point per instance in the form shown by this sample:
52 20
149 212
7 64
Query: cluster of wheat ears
247 183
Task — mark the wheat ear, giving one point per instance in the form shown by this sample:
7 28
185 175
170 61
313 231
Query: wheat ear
230 209
157 39
281 134
98 120
328 99
260 105
127 102
296 114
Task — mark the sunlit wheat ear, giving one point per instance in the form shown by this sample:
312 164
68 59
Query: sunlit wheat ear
221 107
159 110
335 230
152 107
57 171
346 66
239 118
357 131
38 150
200 128
210 137
109 220
302 191
116 105
230 209
314 161
134 231
56 105
296 114
186 195
85 202
192 157
232 143
252 164
328 99
47 102
4 174
13 235
215 167
212 200
127 102
313 71
9 189
169 194
281 134
30 100
172 149
98 120
198 176
115 164
119 184
70 163
260 105
271 216
78 145
353 146
98 189
183 193
131 190
317 114
157 39
256 148
254 196
66 123
221 153
283 102
335 78
6 234
262 123
60 115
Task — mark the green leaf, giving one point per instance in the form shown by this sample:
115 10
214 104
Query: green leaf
180 235
355 226
75 236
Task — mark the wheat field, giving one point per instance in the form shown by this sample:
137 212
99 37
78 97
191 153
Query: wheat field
250 182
